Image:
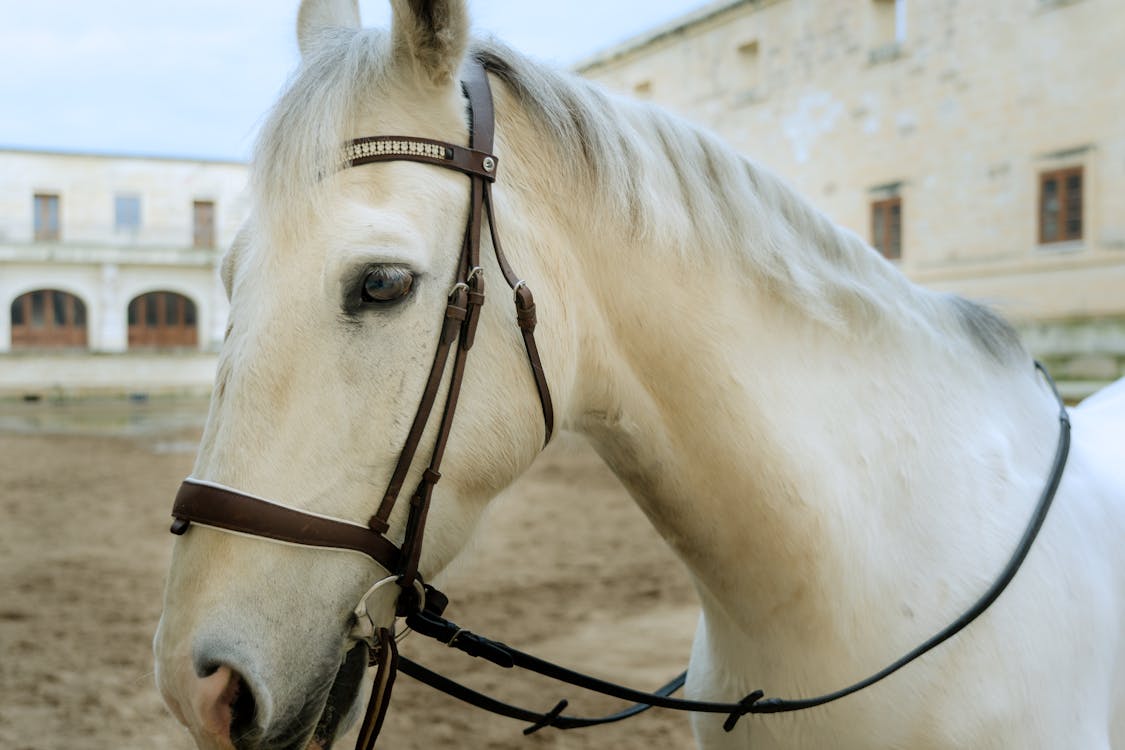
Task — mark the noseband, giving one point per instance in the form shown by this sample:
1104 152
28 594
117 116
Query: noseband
225 508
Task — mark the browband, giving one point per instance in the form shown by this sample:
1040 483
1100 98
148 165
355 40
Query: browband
362 151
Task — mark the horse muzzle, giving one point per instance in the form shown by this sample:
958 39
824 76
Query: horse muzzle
227 704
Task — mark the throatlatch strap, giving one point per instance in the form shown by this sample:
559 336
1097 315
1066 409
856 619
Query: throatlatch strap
525 318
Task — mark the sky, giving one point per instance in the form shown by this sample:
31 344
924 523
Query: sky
196 78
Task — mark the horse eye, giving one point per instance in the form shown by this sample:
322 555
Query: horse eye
386 284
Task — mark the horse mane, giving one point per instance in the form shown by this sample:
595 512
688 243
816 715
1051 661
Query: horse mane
721 203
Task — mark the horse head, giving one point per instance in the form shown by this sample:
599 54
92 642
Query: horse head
340 284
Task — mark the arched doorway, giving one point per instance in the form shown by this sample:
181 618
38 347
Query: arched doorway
161 320
48 319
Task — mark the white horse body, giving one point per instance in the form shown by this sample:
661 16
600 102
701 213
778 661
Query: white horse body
867 518
843 461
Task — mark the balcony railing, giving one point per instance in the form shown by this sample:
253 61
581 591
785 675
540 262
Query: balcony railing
92 252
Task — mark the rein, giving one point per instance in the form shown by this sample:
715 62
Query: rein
421 605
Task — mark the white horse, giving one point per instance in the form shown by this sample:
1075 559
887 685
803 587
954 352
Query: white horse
844 461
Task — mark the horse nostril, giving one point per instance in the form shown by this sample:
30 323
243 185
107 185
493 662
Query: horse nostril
243 711
206 669
224 703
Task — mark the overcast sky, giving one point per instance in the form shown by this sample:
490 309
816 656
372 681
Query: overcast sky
195 78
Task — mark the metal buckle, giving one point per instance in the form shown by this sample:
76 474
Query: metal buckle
364 629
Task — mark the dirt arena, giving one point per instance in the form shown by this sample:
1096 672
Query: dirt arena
567 568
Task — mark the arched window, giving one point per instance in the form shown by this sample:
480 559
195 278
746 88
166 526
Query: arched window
48 319
160 320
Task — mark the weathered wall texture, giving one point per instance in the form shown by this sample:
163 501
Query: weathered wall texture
955 106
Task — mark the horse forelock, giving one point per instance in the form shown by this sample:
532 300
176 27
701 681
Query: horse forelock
301 139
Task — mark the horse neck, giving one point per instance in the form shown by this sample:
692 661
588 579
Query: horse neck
807 470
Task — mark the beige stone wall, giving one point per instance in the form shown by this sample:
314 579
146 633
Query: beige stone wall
958 104
103 265
87 185
67 375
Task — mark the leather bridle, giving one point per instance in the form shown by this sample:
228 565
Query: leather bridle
226 508
229 509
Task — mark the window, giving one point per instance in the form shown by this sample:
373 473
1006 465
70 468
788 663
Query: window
750 57
203 224
887 29
1045 5
48 318
38 301
152 311
1060 205
159 320
886 227
46 217
127 213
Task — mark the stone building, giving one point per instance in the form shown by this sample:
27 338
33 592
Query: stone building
979 144
108 264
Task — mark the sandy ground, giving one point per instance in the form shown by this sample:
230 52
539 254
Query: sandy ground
567 568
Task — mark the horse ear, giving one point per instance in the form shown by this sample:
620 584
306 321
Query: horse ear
319 16
431 35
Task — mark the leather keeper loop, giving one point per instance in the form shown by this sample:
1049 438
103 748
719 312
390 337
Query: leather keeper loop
378 525
431 477
454 315
474 304
525 317
525 307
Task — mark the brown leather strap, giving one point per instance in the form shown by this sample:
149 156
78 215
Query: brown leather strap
456 314
378 148
525 318
538 374
225 508
420 502
482 123
385 661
